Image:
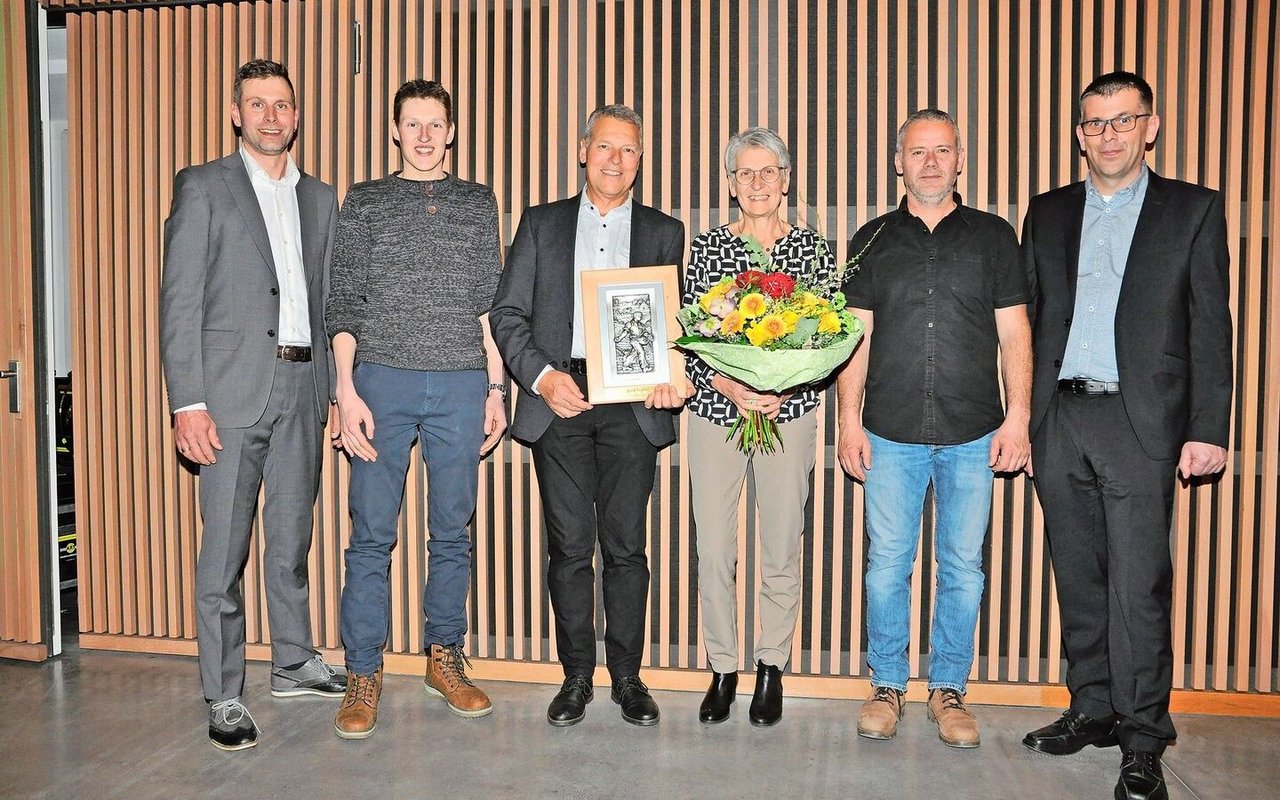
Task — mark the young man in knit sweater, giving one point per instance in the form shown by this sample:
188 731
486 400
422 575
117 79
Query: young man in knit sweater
415 265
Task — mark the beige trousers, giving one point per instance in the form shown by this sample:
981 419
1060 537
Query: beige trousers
718 471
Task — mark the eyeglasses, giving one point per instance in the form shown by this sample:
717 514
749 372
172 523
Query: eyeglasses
1121 124
769 174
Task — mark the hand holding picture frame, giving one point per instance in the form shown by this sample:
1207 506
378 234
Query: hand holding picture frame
629 316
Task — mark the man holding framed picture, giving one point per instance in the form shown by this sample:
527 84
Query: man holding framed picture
594 463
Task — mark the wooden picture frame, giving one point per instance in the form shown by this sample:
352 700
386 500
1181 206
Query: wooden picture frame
629 316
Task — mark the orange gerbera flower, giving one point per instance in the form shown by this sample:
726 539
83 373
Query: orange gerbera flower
731 324
752 306
768 329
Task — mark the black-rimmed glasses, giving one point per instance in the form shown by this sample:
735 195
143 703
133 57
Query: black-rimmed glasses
1121 124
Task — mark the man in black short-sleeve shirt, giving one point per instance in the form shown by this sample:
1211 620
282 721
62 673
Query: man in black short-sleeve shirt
941 292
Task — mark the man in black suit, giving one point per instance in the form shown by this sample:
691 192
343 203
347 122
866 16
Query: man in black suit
595 464
1132 337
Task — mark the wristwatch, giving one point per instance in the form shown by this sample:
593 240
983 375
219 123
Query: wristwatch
501 387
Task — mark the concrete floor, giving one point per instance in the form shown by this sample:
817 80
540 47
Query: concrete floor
94 725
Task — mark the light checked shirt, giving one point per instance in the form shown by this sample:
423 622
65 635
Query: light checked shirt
1105 238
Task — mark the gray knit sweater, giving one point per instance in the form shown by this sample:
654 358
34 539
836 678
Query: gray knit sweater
410 284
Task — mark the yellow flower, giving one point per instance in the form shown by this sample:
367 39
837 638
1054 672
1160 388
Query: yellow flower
757 335
767 330
752 306
713 294
731 324
789 319
829 322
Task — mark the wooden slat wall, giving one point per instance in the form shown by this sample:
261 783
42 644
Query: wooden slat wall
149 95
21 543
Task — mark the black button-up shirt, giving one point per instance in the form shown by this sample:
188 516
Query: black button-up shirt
932 376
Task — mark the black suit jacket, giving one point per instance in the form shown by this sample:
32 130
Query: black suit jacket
532 315
1173 322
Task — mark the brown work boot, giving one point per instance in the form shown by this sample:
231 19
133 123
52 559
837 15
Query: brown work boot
957 726
447 680
880 713
358 714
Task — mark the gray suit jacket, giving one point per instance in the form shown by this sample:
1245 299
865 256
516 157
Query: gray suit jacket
532 316
219 298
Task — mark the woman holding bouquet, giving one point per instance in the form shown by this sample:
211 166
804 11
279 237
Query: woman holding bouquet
757 164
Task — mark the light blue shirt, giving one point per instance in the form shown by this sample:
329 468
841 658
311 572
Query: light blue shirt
602 242
1105 238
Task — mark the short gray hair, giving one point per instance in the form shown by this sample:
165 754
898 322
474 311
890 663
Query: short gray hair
616 111
763 138
928 115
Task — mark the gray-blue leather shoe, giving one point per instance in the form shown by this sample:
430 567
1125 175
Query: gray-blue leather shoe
314 677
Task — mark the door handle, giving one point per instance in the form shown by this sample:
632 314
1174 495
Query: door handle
12 374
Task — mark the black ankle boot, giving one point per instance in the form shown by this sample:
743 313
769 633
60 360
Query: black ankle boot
715 706
766 705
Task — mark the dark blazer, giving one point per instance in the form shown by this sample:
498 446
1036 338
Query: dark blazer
1173 323
532 316
219 297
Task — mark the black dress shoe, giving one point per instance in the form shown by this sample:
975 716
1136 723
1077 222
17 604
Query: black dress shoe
230 726
1141 777
720 695
569 705
1071 733
638 707
766 705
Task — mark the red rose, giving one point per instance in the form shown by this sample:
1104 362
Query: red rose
748 278
777 284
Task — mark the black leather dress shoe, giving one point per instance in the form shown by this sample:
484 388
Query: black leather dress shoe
715 705
1071 733
569 705
766 705
638 707
230 726
1141 777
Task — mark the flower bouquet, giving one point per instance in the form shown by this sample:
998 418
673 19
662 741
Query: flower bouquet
772 332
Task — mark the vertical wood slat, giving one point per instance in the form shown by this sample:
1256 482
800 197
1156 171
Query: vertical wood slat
23 543
1017 148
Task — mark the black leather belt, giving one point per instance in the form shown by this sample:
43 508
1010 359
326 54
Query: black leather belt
577 366
1088 387
293 352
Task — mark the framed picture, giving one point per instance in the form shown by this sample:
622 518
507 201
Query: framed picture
629 316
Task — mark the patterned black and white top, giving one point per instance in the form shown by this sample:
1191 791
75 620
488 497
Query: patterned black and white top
715 254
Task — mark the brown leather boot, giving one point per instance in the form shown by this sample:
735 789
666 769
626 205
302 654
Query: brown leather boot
446 679
957 726
880 713
358 714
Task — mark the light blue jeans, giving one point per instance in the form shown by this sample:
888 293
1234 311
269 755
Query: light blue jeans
895 491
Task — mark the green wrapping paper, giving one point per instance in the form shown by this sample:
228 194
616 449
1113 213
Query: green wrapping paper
773 370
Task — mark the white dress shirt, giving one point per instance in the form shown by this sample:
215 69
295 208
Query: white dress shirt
278 200
600 242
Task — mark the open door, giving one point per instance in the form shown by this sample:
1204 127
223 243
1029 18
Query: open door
24 561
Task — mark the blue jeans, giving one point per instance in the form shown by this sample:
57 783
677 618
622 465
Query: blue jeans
895 491
445 412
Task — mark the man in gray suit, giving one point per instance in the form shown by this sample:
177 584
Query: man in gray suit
248 370
595 464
